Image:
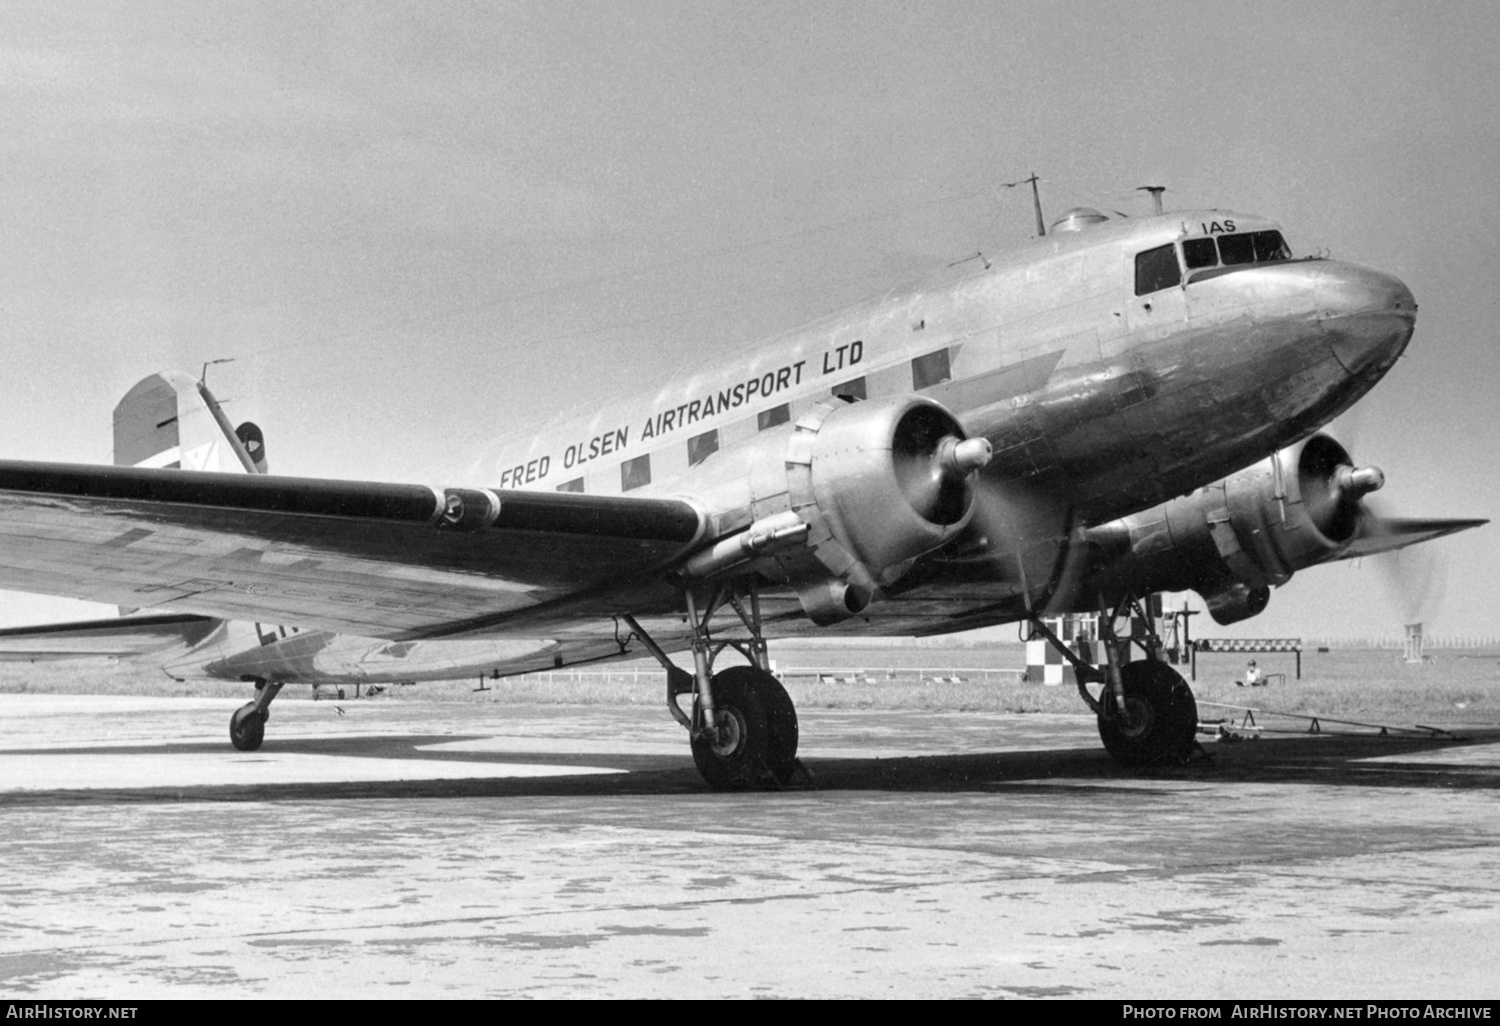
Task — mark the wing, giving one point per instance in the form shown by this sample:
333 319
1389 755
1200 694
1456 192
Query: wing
118 638
380 560
1386 534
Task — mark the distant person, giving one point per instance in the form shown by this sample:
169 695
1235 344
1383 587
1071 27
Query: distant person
1253 678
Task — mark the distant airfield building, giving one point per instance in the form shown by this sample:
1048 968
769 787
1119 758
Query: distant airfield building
1080 632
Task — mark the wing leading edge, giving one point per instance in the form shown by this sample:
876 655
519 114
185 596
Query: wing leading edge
118 638
381 560
1386 534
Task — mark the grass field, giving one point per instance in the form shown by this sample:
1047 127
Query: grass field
1456 687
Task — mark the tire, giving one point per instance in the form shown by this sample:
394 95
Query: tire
739 760
247 728
781 716
1163 714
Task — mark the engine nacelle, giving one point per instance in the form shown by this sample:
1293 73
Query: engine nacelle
1233 540
877 484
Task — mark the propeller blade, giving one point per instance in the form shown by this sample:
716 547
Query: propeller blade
1415 576
1021 530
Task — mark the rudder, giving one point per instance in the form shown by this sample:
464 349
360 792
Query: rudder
170 421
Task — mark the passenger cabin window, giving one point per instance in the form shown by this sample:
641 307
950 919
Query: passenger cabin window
851 390
929 370
701 447
1156 269
575 485
635 473
775 415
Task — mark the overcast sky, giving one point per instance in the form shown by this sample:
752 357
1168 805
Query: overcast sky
418 226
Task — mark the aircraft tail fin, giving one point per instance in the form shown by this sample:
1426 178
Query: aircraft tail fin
169 420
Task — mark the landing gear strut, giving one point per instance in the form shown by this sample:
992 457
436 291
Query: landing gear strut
743 725
247 727
1147 713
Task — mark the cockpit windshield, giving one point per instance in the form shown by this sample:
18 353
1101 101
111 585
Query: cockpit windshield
1206 257
1232 251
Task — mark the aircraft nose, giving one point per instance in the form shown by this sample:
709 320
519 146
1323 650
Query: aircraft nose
1369 316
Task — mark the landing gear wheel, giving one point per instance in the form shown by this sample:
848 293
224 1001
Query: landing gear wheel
1162 721
247 727
739 758
781 716
781 721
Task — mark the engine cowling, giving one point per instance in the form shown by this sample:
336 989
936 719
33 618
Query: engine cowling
880 483
1233 540
877 483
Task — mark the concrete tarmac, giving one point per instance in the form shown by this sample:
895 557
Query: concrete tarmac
401 848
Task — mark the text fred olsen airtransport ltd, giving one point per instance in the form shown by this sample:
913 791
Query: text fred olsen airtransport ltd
1274 1011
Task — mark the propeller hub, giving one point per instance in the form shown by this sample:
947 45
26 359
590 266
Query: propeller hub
961 458
1356 482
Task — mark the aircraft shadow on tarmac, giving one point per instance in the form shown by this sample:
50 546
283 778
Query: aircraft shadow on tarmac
1337 760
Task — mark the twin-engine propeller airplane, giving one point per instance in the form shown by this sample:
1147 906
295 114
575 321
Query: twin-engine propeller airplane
1125 406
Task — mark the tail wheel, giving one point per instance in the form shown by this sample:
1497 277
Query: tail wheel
1161 718
780 713
247 727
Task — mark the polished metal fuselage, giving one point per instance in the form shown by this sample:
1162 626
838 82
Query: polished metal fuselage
1118 400
1098 402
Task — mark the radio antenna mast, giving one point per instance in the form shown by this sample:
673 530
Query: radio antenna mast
1036 200
1155 191
203 378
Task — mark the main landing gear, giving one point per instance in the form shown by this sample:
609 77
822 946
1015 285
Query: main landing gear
743 725
247 727
756 738
1147 713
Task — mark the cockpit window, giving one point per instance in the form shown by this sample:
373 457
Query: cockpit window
1156 269
1233 251
1236 249
1200 253
1270 246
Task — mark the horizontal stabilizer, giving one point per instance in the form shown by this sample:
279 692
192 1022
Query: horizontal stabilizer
117 637
1387 534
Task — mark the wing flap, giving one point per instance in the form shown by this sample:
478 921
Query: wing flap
366 558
